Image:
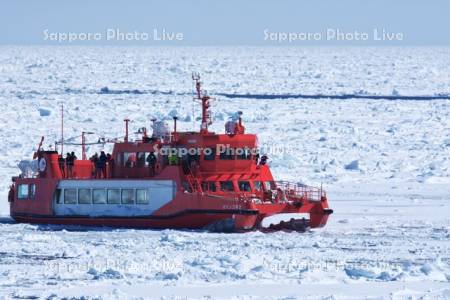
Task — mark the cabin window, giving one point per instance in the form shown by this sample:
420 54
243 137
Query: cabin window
99 196
227 154
70 196
209 154
257 185
140 159
129 159
32 191
113 196
226 186
22 191
84 196
141 196
244 186
209 186
270 185
127 196
243 153
57 196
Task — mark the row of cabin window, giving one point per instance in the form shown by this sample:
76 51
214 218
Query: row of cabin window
243 186
101 196
139 159
229 154
26 191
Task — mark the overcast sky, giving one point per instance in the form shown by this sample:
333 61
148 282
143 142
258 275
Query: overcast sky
230 22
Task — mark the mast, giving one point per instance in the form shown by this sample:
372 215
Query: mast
201 95
126 130
83 144
62 128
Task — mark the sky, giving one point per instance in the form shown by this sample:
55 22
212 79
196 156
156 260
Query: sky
225 23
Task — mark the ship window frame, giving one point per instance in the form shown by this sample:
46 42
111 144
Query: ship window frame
270 185
221 183
109 198
258 185
245 155
211 156
140 202
249 187
104 195
22 187
228 154
128 202
58 196
73 200
126 156
32 191
79 196
209 186
141 162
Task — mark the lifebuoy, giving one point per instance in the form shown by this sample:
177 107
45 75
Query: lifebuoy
42 164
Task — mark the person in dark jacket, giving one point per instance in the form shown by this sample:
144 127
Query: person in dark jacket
69 164
73 158
263 160
102 163
151 159
62 163
94 160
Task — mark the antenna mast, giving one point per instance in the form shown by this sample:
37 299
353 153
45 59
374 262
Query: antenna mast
62 128
204 98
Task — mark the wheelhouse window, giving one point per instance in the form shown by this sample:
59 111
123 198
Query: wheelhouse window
70 196
84 196
127 196
209 154
257 185
141 196
22 191
243 153
226 186
244 186
227 154
113 196
99 196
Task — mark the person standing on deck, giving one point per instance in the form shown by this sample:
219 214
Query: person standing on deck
102 163
61 163
151 159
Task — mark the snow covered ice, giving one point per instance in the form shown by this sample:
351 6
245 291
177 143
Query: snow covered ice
385 165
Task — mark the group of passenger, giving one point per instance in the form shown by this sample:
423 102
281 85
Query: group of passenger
132 160
101 164
66 164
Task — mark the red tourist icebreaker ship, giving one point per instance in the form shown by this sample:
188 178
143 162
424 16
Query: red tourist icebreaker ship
171 179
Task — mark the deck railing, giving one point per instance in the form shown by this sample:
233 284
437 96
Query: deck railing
294 190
